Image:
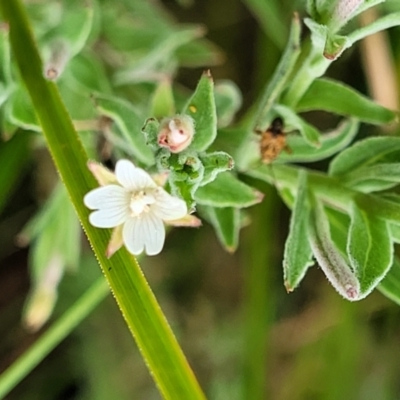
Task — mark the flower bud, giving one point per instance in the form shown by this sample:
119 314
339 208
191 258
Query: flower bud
176 133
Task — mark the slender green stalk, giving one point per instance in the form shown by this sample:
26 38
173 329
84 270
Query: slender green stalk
137 303
53 336
259 301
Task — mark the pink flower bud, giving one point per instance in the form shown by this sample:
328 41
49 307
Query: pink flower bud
345 10
176 133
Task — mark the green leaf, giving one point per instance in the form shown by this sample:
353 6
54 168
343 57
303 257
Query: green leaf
269 16
227 191
138 304
331 143
20 112
5 59
310 134
369 249
198 53
162 103
85 72
14 156
228 100
130 124
362 154
383 23
150 130
226 222
329 258
215 163
390 284
75 26
328 95
201 107
298 255
374 177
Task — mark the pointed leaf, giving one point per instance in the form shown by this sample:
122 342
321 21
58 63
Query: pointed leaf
333 96
331 143
201 107
228 100
162 103
19 111
227 191
226 222
130 124
363 153
374 177
328 256
215 163
369 248
309 133
298 255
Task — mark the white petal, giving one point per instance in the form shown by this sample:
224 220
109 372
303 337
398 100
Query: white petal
144 233
107 218
132 178
168 207
110 196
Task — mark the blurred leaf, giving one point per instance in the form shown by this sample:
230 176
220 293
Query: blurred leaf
162 103
130 124
20 112
374 177
199 53
215 163
201 107
75 26
382 23
328 256
226 222
85 72
228 100
270 19
331 143
309 133
369 249
328 95
390 284
157 56
362 154
5 61
227 191
14 156
298 255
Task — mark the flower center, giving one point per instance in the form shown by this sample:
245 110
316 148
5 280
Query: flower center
141 202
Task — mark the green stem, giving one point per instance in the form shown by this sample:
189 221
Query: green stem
135 299
53 336
259 303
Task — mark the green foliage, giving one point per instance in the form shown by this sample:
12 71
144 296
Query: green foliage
115 67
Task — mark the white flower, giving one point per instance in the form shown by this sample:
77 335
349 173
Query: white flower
133 204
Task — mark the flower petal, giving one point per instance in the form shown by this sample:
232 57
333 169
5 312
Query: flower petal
168 207
110 196
107 218
131 177
144 233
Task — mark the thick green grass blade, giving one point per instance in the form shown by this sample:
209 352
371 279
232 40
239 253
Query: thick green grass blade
134 297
